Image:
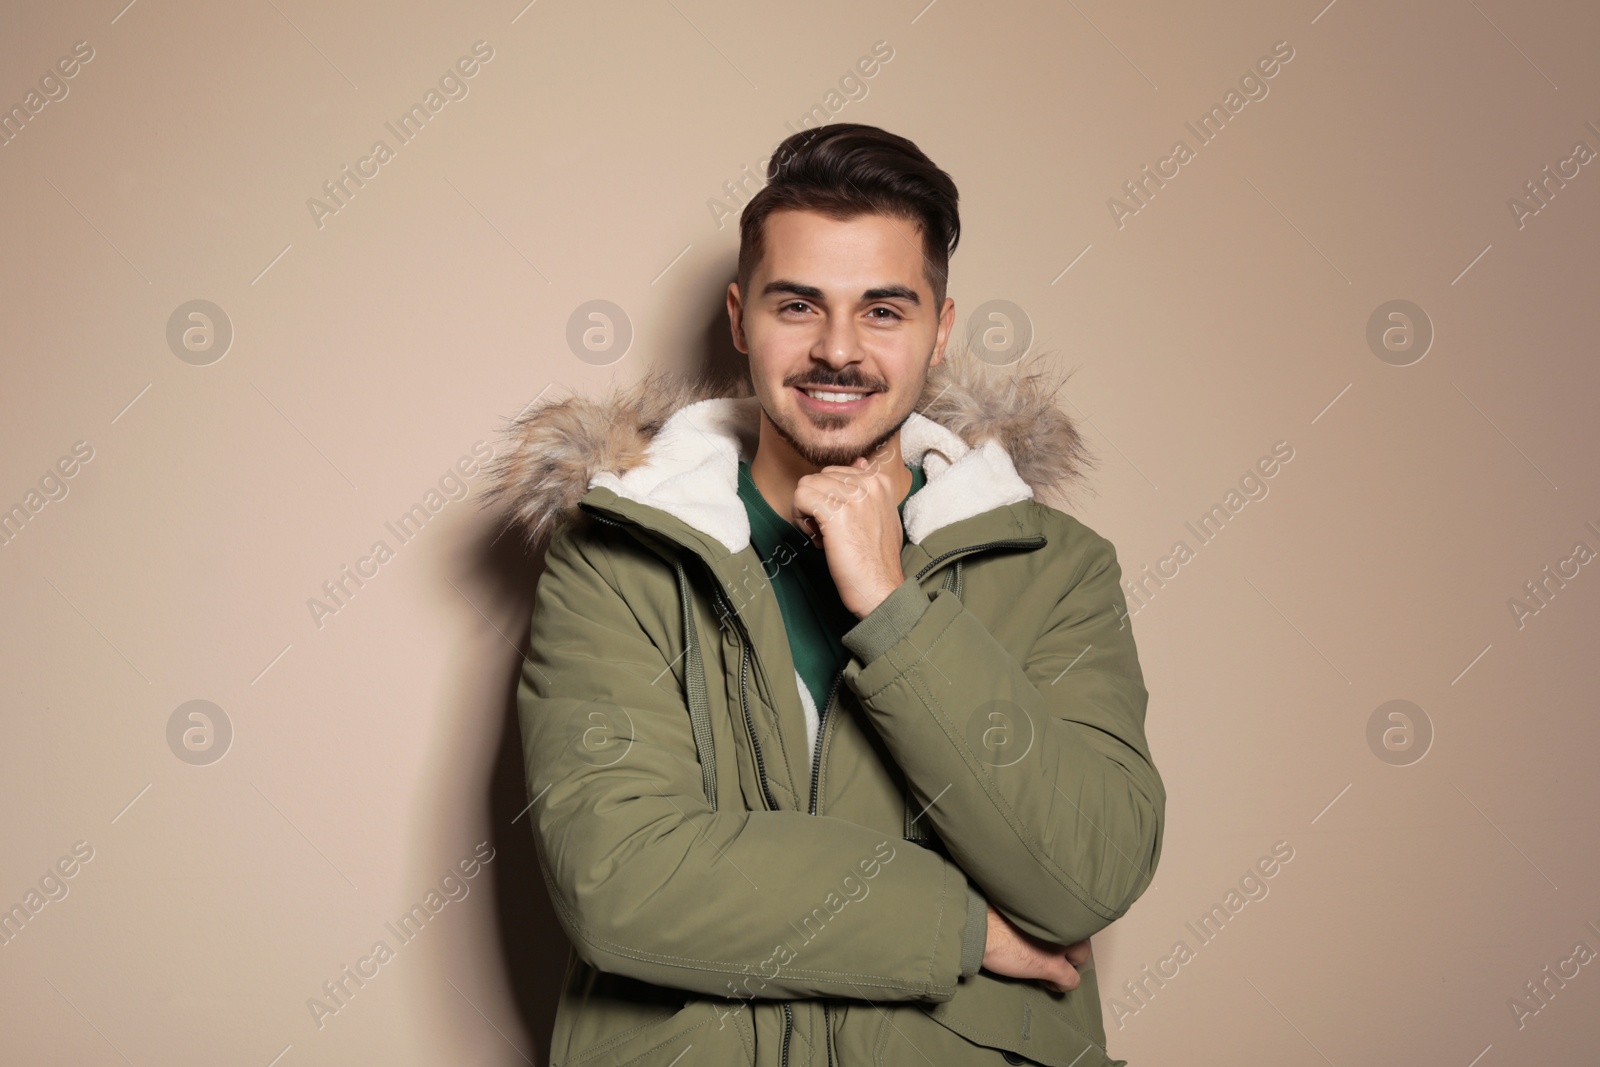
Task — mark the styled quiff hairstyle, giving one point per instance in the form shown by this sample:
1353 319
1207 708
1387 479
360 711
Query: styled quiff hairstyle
844 170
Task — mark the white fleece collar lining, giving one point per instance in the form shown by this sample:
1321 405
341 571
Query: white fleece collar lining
692 472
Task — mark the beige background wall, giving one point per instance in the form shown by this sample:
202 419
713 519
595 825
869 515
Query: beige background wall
372 749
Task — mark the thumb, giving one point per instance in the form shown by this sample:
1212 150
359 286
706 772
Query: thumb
1066 980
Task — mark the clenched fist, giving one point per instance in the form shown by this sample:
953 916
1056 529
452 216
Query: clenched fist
854 512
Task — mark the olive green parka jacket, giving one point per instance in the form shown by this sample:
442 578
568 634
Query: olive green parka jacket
739 891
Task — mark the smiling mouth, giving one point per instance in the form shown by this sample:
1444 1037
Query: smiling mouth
834 399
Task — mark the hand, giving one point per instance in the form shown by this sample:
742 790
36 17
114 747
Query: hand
1016 954
853 512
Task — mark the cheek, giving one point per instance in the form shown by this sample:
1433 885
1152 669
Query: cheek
776 354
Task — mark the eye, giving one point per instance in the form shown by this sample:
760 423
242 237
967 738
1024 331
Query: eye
893 314
794 304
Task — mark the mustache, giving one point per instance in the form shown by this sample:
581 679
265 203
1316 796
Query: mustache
852 380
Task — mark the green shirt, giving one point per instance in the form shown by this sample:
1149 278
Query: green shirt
814 616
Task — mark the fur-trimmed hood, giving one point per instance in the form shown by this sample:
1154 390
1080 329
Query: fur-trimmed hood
985 436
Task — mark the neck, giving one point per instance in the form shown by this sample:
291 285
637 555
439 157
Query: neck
776 468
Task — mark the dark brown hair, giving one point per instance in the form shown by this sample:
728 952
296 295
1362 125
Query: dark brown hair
844 170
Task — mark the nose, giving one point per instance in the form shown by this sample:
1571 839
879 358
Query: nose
837 344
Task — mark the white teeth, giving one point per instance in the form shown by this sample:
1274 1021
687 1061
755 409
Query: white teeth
833 398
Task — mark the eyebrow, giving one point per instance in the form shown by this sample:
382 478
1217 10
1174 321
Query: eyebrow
811 292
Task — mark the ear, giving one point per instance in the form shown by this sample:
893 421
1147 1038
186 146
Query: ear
736 318
947 321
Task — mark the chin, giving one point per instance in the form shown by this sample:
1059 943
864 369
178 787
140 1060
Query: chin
823 447
833 456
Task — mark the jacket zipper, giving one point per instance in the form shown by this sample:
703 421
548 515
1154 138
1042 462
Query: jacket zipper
750 726
788 1028
745 647
822 736
816 781
811 809
816 762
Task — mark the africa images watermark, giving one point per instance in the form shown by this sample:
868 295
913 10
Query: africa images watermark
1540 992
1252 886
1542 190
1543 588
1141 190
338 991
53 89
1254 487
852 889
53 887
341 189
53 486
853 87
340 590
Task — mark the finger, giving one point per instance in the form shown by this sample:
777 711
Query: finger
829 491
1080 952
835 478
857 469
844 480
809 498
870 466
806 525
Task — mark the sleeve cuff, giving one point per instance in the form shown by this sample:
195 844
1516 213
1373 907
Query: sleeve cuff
974 939
887 623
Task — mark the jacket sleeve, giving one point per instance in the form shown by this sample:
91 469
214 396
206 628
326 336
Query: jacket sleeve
1061 825
650 883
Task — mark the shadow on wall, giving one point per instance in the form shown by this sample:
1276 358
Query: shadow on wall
535 948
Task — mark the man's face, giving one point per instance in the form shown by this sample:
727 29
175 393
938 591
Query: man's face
845 308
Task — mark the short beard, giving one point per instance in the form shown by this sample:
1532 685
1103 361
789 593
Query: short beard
835 456
838 455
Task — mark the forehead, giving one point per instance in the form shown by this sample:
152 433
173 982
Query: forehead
842 254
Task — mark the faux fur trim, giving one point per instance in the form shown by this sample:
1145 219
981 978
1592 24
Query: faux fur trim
1015 406
557 449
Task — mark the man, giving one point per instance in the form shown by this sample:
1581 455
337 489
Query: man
834 733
